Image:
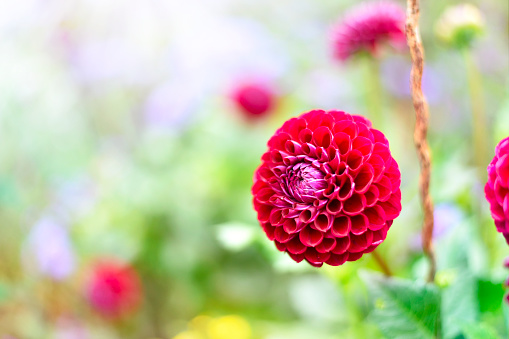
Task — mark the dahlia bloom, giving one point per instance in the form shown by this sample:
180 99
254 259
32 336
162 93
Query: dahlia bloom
328 188
367 26
114 289
497 187
254 99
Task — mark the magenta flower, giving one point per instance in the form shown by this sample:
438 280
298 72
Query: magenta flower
254 99
497 187
367 26
114 289
328 188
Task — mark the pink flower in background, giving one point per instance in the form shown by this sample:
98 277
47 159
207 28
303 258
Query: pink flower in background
497 187
367 26
328 188
254 99
114 289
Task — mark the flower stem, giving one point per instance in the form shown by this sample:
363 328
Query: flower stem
373 90
480 140
421 130
480 144
382 263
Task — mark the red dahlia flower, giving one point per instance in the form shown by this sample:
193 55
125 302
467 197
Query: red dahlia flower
328 188
368 25
114 289
497 187
253 99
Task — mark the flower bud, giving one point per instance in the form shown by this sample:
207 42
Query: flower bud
460 25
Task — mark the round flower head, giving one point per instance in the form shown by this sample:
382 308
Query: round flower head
367 26
114 289
497 187
459 25
328 188
254 99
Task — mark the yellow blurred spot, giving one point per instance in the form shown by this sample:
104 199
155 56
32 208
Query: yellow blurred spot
189 335
446 277
229 327
380 304
200 323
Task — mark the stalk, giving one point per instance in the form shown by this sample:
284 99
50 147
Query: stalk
373 91
480 141
421 130
382 263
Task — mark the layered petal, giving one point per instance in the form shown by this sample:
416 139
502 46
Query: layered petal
327 190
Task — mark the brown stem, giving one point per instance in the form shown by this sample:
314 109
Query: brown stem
381 262
421 129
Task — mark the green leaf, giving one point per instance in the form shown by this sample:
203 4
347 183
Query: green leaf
404 309
479 331
459 304
490 294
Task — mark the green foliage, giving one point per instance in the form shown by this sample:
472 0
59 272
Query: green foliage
479 331
403 309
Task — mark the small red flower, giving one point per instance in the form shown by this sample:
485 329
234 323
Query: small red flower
497 187
114 289
328 188
254 99
367 26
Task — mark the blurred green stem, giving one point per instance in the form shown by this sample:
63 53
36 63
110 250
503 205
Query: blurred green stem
481 142
480 138
382 263
373 91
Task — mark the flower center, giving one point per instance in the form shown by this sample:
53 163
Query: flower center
303 180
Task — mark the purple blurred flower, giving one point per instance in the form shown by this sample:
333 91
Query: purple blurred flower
172 105
395 74
107 60
49 245
70 328
446 217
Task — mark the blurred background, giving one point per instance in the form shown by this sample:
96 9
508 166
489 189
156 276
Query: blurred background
127 160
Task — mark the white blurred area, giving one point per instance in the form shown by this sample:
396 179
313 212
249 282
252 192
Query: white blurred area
134 41
194 49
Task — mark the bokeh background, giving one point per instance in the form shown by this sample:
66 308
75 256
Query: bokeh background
120 141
